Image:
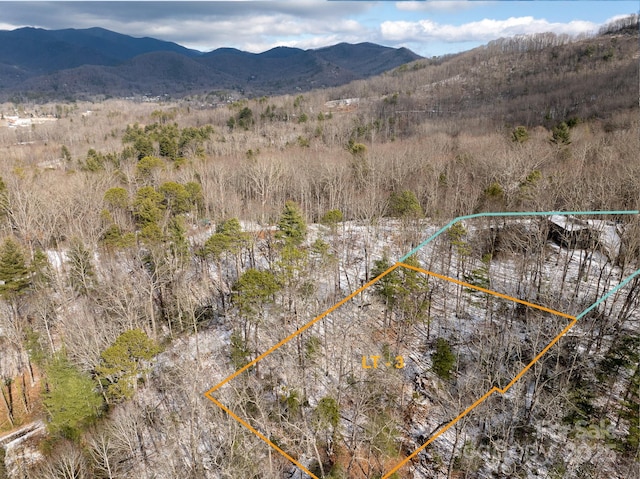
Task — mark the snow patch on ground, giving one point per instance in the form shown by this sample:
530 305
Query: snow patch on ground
21 448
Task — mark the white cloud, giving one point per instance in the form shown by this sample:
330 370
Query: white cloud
480 31
615 18
8 26
259 25
204 25
314 42
261 32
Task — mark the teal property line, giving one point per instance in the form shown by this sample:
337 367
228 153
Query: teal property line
537 213
604 298
512 213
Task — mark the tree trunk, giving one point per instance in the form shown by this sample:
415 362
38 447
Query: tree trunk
8 403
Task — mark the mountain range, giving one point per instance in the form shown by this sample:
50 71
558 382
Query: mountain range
83 63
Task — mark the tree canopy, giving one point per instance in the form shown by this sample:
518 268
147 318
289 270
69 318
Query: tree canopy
123 361
254 289
14 273
71 400
291 226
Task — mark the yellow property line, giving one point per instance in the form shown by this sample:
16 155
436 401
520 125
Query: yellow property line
484 290
299 331
208 394
493 389
259 434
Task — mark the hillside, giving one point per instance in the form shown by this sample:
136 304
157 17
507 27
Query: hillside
536 80
274 287
42 64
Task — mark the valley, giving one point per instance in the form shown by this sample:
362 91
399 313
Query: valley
221 284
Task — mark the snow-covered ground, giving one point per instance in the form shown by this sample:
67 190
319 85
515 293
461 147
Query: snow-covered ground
491 337
21 451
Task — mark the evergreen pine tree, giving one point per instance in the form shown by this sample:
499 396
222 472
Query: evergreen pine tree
387 286
560 135
253 290
122 363
71 400
443 359
291 226
405 205
520 134
42 272
14 273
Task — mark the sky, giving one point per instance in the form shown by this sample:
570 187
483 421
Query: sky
429 28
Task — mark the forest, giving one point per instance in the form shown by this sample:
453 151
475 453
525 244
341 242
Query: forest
149 250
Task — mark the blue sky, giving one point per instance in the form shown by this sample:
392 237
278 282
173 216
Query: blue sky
427 27
482 21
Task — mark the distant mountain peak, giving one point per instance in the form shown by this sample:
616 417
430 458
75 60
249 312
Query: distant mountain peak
100 61
281 52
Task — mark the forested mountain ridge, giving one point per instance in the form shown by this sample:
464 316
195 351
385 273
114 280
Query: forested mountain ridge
150 249
84 64
37 50
528 80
